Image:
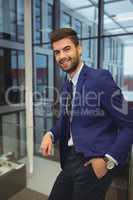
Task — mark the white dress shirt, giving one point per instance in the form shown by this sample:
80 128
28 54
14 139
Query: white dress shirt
74 80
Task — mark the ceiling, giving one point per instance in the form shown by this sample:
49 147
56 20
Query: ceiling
118 15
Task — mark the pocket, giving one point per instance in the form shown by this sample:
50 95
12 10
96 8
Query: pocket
92 171
89 170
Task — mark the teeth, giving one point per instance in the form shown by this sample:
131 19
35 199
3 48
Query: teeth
65 62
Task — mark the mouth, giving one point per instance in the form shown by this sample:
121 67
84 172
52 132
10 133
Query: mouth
65 62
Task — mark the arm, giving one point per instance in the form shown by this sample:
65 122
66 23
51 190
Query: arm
49 138
53 134
113 101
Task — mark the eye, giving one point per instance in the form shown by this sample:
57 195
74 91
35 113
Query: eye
56 53
67 48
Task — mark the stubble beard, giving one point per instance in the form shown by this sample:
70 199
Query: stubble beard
73 66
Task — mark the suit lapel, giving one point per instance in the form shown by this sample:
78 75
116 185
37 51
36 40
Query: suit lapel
82 78
64 94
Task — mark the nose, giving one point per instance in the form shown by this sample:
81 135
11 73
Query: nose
62 55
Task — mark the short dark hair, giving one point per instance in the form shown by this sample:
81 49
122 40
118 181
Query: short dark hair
62 33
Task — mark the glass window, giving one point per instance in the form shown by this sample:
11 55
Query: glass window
50 25
73 4
89 42
42 75
114 51
119 61
12 76
38 21
40 129
12 24
21 76
118 17
21 67
78 27
2 78
12 20
8 20
50 16
1 19
128 71
13 134
20 20
106 50
22 133
111 49
66 20
119 53
10 134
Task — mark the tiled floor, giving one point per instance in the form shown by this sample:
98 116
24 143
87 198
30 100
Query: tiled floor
28 194
43 177
39 183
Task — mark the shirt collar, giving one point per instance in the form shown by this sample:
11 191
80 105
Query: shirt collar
74 79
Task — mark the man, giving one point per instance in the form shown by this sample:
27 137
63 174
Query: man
94 130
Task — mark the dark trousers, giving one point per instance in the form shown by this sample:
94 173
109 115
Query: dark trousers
77 182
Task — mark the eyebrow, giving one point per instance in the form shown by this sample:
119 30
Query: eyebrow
56 50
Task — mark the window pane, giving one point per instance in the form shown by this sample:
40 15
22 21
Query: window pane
10 134
20 20
12 19
14 68
66 20
40 128
12 78
22 130
42 75
1 19
50 16
118 59
78 27
13 134
118 17
128 72
38 21
49 25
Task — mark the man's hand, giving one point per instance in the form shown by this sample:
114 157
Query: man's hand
46 144
99 167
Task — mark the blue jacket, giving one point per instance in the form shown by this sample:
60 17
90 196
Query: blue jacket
101 122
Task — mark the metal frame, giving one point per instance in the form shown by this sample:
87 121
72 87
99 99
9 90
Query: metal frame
100 33
28 81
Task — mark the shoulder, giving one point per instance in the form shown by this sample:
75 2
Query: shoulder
100 78
98 74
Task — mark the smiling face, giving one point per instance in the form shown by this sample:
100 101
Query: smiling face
67 55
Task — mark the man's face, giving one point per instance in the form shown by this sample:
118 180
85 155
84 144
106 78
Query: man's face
67 55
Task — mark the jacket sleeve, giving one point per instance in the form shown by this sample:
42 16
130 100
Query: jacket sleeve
113 101
56 130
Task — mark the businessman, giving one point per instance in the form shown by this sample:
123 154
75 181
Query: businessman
94 129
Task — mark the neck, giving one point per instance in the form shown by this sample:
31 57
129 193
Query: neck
71 74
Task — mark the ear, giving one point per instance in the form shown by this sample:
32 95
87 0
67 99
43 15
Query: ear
80 49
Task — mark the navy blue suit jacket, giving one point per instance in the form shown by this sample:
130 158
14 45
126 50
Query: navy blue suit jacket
101 120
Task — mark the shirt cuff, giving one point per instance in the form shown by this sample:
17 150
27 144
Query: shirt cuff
111 158
52 136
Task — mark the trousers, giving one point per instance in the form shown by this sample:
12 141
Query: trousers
77 182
